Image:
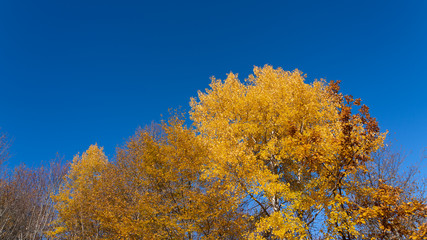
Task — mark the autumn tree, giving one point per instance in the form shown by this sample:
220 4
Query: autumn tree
156 190
397 209
75 201
26 208
295 149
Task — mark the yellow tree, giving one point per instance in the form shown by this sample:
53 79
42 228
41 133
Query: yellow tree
76 202
156 190
291 147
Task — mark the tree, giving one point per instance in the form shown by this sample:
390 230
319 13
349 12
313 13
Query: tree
75 201
294 149
26 209
156 190
397 210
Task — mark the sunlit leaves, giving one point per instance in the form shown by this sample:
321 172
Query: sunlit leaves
292 147
76 202
273 157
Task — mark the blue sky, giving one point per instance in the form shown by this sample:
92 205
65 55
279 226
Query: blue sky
74 73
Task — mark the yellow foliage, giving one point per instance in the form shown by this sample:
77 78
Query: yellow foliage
290 146
273 157
75 202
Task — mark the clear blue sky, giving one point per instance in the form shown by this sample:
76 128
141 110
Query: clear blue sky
74 73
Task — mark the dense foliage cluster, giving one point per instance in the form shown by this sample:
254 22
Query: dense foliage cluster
273 157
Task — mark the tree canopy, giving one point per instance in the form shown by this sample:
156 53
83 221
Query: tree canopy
273 157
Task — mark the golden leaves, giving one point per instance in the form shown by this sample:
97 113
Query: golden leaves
271 157
277 131
76 201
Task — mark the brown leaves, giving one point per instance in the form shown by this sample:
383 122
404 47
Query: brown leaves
26 209
391 212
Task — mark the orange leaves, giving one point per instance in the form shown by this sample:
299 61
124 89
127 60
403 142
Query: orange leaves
391 212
